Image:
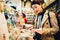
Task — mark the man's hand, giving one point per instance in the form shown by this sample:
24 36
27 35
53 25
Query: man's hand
38 31
28 26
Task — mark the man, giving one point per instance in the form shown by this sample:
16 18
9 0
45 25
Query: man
42 22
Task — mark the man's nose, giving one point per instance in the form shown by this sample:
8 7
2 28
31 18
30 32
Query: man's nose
35 10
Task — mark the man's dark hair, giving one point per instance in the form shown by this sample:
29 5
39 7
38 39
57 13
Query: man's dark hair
37 2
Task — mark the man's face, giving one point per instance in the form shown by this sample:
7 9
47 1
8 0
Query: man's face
37 8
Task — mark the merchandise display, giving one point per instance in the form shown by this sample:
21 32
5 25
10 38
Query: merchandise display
30 16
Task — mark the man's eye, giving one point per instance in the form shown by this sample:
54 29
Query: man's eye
35 7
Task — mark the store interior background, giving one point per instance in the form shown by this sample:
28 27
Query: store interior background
24 6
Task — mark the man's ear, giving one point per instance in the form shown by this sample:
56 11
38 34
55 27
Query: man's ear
41 6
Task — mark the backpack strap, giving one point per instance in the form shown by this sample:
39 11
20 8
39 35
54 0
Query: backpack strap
49 19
